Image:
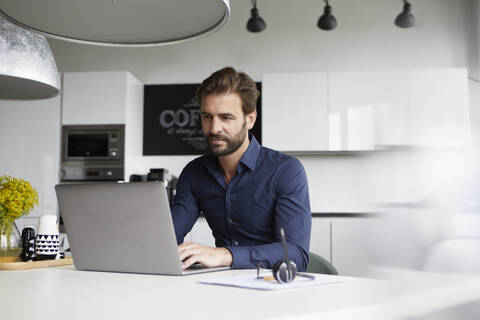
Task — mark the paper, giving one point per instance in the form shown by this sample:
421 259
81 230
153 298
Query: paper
251 282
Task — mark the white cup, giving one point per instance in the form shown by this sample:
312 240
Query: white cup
47 240
48 224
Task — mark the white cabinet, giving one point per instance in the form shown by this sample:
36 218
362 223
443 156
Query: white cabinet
96 97
391 240
295 111
320 238
201 233
439 108
365 110
107 98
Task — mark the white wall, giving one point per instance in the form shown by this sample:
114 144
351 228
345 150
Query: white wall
30 146
365 39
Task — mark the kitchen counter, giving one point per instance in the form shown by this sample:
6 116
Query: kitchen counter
64 292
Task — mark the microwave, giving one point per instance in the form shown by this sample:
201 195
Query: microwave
93 152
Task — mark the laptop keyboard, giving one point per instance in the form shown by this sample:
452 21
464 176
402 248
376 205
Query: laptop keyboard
195 266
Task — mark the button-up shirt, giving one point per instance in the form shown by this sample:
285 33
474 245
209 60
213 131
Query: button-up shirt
268 192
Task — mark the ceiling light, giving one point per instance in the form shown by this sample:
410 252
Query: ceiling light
27 69
327 21
255 23
406 18
119 22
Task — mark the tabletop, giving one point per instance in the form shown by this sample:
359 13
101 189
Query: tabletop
56 293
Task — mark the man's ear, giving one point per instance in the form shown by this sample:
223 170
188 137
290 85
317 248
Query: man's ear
251 118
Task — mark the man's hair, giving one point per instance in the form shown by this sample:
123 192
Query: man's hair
228 80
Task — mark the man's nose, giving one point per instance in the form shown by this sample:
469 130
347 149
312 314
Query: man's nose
216 126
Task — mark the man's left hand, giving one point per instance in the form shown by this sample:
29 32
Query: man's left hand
209 257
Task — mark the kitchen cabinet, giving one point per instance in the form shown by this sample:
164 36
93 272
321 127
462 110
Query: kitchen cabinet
390 240
201 233
90 98
320 238
439 108
296 116
367 110
99 97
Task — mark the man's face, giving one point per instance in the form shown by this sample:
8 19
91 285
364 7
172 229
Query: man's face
224 125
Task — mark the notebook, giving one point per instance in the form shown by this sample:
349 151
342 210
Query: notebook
121 227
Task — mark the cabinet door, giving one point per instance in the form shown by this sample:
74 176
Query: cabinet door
94 98
367 109
439 108
201 233
320 238
361 244
295 111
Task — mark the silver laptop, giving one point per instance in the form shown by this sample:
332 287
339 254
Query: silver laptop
121 227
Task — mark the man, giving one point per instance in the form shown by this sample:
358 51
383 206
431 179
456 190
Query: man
245 191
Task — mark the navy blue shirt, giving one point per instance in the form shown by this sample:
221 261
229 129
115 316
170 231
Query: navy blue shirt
269 192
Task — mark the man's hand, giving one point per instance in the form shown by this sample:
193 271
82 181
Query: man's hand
209 257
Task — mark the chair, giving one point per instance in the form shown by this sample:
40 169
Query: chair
318 264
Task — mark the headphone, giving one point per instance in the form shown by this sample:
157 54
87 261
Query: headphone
285 271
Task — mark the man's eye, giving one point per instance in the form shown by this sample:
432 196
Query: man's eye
206 116
227 118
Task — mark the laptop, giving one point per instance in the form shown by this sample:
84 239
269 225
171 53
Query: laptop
121 227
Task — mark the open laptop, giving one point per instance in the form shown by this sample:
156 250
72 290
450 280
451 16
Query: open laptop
121 227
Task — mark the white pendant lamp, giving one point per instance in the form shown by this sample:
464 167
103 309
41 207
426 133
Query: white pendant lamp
119 22
27 67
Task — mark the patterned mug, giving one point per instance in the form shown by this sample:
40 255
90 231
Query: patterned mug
47 239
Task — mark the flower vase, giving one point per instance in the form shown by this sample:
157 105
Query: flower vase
10 242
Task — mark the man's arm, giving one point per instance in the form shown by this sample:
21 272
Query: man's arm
292 212
184 206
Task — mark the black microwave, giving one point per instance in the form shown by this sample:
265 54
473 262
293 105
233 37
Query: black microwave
93 152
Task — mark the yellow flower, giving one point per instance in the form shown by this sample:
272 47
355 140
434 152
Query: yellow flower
17 198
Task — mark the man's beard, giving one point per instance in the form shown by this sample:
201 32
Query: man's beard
232 144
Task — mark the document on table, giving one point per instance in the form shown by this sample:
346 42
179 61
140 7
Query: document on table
252 282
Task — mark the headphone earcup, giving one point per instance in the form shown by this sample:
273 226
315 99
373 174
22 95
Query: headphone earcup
284 274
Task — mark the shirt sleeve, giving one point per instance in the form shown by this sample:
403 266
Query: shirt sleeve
292 213
184 207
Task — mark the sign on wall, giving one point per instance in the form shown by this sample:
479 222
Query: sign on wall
171 121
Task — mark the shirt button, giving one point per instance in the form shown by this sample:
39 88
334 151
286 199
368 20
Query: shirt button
236 243
231 221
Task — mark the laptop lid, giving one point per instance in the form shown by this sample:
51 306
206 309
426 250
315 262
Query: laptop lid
120 227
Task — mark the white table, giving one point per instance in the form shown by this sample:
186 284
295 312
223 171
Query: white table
66 293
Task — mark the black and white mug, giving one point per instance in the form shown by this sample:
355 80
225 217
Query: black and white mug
47 240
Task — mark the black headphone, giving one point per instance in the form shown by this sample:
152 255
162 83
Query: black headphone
284 271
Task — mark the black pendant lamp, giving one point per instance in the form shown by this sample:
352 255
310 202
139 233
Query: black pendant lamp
406 18
327 21
255 23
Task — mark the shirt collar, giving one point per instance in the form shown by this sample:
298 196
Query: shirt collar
250 156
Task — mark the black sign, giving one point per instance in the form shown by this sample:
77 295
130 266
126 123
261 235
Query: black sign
171 121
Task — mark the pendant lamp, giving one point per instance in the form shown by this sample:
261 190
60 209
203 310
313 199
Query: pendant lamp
27 67
405 19
255 23
327 21
131 23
